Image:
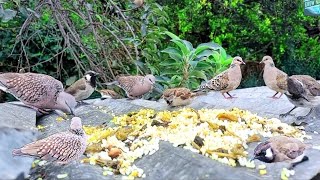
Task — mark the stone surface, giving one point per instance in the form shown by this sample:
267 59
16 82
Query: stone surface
17 127
11 138
17 116
74 170
175 162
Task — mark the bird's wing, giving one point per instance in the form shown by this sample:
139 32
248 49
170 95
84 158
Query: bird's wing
58 147
281 80
310 83
290 147
219 82
127 82
182 93
78 85
28 87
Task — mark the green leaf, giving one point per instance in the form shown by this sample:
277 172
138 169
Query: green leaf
205 53
211 45
173 36
99 18
168 71
203 66
188 45
227 61
170 62
182 46
193 63
223 54
200 49
172 50
198 74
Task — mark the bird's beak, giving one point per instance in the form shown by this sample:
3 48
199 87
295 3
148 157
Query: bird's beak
260 62
243 63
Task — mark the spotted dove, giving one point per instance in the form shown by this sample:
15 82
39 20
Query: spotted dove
227 80
38 91
62 147
135 86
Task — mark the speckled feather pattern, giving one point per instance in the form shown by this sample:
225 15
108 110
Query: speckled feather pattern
182 93
61 147
109 93
32 89
134 86
226 81
178 96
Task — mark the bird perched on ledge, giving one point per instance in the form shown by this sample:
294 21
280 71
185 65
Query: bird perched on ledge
135 86
303 91
178 96
62 147
274 78
109 94
226 81
38 91
281 148
84 87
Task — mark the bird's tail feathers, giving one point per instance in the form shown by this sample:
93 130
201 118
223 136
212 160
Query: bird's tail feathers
17 152
3 87
198 93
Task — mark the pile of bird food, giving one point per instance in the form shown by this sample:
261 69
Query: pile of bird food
222 135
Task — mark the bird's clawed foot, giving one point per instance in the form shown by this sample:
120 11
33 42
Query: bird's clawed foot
274 96
302 123
284 115
301 118
45 111
230 96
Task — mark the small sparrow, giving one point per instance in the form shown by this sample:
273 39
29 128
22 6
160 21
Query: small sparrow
274 78
84 87
178 96
226 81
109 94
281 148
303 91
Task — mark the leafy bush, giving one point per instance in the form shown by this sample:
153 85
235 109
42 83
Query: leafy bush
252 29
187 65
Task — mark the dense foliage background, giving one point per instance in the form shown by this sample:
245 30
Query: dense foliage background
183 42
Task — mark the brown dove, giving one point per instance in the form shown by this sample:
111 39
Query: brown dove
84 87
178 96
62 147
274 78
109 94
281 148
38 91
303 91
226 81
135 86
